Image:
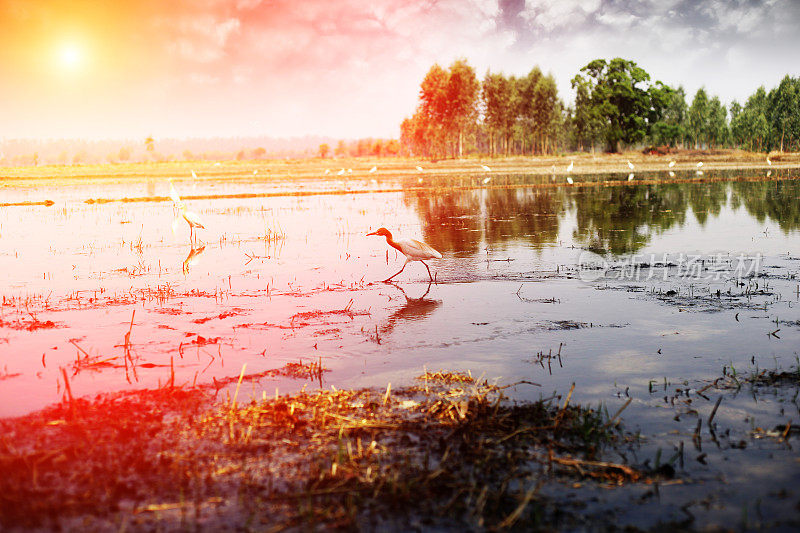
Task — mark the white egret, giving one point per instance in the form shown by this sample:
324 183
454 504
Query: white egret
191 218
486 180
671 174
569 180
630 165
327 171
419 168
630 176
769 173
485 168
768 161
699 172
571 166
671 164
373 169
173 193
414 250
700 164
340 173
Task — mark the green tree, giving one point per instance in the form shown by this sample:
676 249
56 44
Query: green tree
462 95
499 101
669 126
698 117
586 118
717 127
784 108
619 97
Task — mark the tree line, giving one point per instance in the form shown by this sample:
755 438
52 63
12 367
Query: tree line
616 105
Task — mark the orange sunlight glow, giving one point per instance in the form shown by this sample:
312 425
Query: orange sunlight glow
70 56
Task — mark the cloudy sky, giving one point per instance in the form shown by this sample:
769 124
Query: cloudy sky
208 68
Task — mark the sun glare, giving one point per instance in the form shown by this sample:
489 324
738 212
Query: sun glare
70 56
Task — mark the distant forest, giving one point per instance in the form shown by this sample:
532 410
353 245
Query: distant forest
27 152
616 106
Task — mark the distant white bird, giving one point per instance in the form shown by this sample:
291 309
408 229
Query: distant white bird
327 171
769 173
554 169
699 172
671 164
349 170
217 164
373 169
486 180
569 180
485 168
630 176
571 166
419 180
419 168
255 172
194 175
340 173
768 161
700 164
630 165
414 250
671 174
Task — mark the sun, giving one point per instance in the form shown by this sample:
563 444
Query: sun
70 56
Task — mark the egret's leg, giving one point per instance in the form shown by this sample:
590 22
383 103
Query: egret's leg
429 270
393 275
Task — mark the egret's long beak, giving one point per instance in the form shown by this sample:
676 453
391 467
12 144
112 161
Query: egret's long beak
373 233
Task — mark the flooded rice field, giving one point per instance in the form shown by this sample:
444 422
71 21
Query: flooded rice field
655 298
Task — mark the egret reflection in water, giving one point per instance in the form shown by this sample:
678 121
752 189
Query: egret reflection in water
193 258
415 309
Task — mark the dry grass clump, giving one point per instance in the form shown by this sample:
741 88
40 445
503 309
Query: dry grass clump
453 453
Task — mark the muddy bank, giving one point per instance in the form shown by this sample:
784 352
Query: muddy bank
449 452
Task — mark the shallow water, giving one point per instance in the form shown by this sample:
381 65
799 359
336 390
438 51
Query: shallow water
611 288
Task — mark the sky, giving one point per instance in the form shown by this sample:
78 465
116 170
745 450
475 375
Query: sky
346 69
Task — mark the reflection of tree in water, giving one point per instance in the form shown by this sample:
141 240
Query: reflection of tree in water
523 214
450 220
615 220
706 198
620 220
777 200
464 221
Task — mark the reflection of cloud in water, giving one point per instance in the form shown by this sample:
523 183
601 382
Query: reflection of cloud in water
628 363
694 332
